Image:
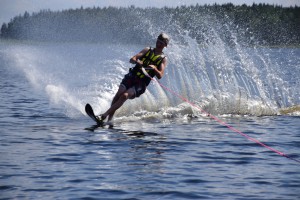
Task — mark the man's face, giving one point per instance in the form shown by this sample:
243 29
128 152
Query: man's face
160 43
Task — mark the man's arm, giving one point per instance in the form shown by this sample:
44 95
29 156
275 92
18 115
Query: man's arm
159 73
135 58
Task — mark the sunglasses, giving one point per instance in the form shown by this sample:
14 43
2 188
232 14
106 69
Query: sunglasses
161 41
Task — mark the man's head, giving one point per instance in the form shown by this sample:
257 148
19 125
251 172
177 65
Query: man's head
164 38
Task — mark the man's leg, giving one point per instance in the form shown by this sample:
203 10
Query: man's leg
121 90
119 99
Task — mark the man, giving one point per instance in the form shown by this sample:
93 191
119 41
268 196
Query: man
148 63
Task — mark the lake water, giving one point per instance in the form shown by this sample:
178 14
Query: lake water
160 147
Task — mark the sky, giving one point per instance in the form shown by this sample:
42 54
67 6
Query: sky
11 8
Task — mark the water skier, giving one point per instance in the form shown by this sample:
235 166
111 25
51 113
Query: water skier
135 82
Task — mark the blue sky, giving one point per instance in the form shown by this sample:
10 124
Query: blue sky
12 8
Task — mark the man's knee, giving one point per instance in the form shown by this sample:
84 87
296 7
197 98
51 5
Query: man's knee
131 93
121 90
124 96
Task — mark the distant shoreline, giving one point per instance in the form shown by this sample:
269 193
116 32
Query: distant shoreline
17 41
256 25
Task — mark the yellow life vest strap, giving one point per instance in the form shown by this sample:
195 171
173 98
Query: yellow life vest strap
150 59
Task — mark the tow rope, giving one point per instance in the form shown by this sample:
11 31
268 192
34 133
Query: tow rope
219 120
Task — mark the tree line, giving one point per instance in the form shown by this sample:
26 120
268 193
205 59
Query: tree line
259 24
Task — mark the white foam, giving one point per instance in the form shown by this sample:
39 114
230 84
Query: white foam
60 96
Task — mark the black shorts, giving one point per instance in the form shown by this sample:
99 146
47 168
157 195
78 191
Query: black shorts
132 81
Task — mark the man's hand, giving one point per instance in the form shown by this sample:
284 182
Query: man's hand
139 62
151 67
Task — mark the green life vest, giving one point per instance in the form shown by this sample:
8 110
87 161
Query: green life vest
149 58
